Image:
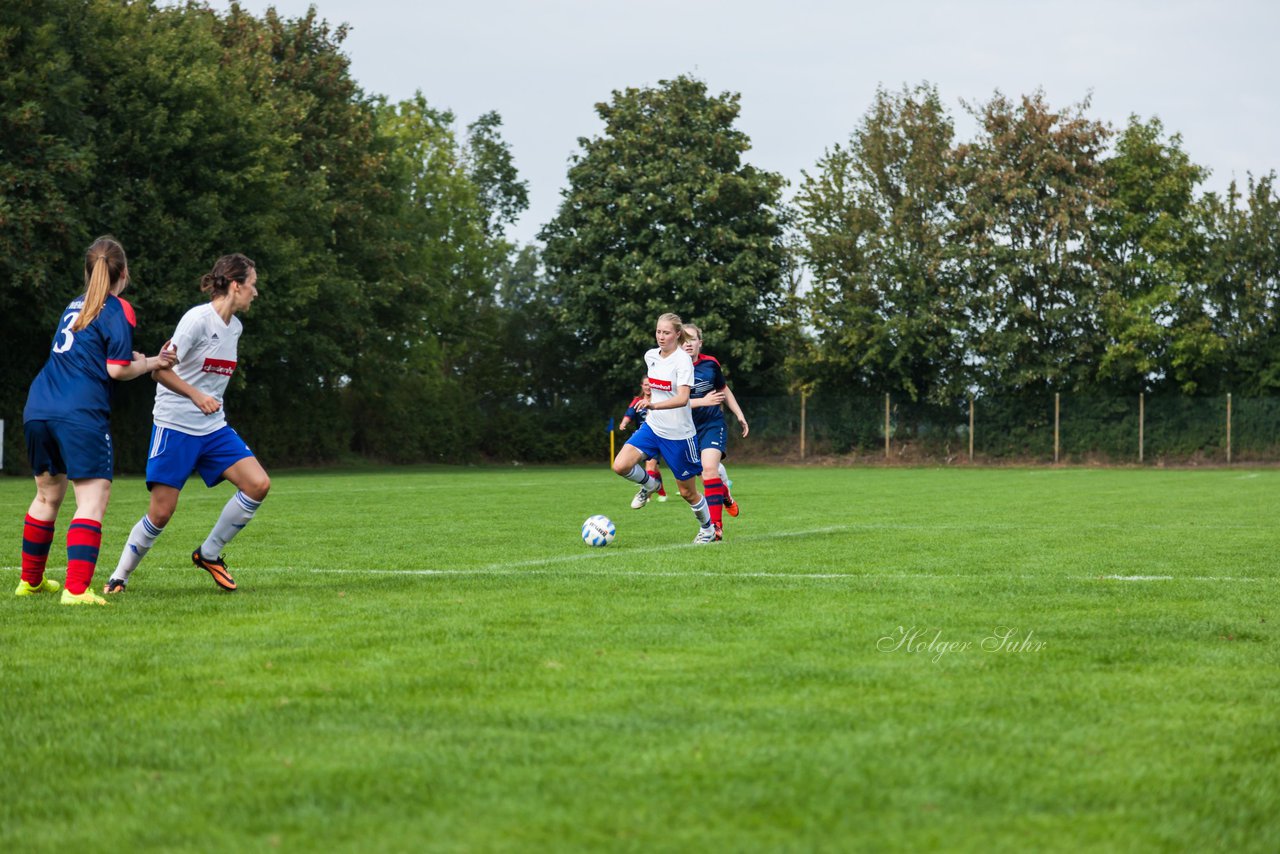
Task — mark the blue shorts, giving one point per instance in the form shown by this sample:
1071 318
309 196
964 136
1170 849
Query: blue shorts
174 455
680 455
65 447
713 436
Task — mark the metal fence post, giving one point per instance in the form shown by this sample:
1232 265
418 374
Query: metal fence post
970 428
803 402
1057 408
1142 415
886 425
1228 428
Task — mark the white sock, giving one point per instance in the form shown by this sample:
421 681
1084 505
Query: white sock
236 514
642 477
702 512
141 539
724 478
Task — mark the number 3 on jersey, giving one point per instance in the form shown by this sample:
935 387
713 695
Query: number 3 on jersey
65 336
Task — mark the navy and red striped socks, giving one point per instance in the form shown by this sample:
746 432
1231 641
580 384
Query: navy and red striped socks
84 538
37 536
715 492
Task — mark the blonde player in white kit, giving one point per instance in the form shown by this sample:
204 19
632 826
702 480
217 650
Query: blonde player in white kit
191 434
668 428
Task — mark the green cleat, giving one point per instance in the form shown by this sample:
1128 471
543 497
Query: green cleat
88 597
46 585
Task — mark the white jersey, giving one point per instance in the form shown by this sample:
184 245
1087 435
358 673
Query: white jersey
206 360
665 378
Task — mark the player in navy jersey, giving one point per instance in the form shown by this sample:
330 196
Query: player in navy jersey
636 414
67 423
710 391
668 427
191 434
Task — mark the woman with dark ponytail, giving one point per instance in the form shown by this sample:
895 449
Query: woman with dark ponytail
191 433
67 423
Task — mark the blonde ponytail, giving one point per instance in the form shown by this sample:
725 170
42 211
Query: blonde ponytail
104 266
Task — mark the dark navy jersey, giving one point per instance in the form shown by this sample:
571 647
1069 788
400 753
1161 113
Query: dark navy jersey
707 377
637 417
74 384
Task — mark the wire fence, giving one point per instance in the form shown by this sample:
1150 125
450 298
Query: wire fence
1145 429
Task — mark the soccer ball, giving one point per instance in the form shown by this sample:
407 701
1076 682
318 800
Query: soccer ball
598 531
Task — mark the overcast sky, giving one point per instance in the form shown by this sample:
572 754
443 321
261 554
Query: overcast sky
807 70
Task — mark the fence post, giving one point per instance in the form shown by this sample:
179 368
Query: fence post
1228 428
803 401
886 425
970 428
1057 408
1142 416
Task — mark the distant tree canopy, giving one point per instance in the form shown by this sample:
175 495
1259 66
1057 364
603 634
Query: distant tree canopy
186 133
1051 252
662 214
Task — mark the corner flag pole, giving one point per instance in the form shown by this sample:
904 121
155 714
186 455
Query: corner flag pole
611 454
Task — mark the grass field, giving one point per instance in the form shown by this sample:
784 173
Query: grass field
874 659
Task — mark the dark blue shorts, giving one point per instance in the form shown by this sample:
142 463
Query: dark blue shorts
713 436
680 455
174 455
63 447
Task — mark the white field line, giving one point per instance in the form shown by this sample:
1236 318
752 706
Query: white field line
522 569
530 567
508 569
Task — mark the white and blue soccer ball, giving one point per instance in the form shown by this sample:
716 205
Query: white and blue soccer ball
598 531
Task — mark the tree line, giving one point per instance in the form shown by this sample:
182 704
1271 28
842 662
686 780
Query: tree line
399 322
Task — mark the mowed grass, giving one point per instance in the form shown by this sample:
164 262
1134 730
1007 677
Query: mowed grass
874 659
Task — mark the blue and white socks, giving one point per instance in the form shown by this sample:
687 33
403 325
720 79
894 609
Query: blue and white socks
141 539
235 515
642 477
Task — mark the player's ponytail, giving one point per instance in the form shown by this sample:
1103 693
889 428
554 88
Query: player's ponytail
677 324
105 266
226 270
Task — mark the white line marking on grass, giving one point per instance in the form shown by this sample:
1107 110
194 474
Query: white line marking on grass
1232 578
524 568
513 569
604 554
589 573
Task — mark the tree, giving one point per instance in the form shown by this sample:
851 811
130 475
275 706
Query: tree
1239 344
492 170
662 214
1149 245
46 166
875 221
1032 183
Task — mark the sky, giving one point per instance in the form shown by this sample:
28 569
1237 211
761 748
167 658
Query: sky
807 70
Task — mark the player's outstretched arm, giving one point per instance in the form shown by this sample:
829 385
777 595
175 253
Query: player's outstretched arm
140 365
732 403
